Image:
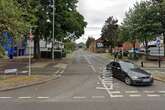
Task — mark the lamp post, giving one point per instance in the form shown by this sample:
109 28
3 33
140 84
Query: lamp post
53 30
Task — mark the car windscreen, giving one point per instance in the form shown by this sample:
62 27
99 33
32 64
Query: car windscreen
128 66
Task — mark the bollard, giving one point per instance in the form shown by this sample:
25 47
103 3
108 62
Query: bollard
142 65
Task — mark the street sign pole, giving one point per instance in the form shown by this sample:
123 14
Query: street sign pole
158 44
159 58
30 51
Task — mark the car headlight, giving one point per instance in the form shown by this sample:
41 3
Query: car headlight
134 77
151 76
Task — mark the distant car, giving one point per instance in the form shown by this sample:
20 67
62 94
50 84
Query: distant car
129 73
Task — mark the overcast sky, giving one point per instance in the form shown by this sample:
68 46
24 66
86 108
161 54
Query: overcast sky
97 11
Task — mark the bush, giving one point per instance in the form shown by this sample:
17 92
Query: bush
133 56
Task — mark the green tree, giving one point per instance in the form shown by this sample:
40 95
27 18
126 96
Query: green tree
110 30
11 19
141 23
160 6
68 22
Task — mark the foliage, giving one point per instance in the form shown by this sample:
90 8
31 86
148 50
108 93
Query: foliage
142 22
110 30
11 18
69 46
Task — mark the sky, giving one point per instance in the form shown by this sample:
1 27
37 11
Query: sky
96 12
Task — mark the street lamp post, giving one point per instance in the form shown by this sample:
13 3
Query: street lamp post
53 30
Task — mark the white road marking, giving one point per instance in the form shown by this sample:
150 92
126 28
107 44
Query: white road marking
102 88
131 92
42 97
24 97
98 82
95 97
106 88
87 60
93 68
149 91
115 92
57 71
117 96
5 97
79 97
162 92
153 95
62 71
135 95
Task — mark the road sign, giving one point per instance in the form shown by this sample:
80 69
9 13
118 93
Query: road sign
158 42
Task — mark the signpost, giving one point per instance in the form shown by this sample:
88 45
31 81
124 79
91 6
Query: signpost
158 45
30 50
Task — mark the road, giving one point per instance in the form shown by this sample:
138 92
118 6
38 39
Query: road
81 87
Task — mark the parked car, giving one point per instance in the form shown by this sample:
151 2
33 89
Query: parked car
129 73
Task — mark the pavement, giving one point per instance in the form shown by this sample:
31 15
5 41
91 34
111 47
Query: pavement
81 87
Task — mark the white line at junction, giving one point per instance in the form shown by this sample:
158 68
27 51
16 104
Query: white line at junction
131 92
5 97
153 95
24 97
135 95
95 97
42 97
79 97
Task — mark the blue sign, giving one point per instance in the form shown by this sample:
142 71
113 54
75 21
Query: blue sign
7 43
158 42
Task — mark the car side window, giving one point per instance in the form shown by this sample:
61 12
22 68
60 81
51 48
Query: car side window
117 65
113 64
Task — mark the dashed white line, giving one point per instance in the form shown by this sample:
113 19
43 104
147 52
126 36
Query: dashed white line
162 92
131 92
93 68
115 92
117 96
62 71
153 95
5 97
24 97
95 97
106 88
57 71
135 95
149 91
42 97
79 97
98 82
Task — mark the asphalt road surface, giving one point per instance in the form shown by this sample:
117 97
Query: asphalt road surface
85 85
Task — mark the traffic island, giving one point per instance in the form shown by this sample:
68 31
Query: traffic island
15 82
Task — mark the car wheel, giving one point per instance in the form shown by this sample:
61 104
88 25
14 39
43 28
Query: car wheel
128 81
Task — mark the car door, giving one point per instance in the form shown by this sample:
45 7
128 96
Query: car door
118 70
113 68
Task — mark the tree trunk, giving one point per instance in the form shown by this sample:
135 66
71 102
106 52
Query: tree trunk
164 42
134 52
37 46
146 48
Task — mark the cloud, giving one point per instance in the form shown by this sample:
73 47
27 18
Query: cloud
97 11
